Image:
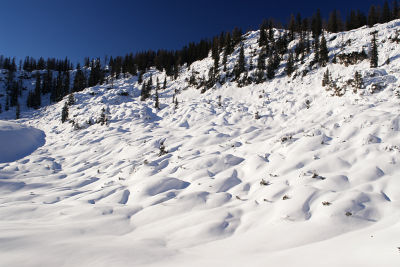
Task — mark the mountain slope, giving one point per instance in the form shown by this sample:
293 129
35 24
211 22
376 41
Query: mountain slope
315 173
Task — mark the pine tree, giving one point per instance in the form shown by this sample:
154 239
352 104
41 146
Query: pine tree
372 16
326 78
143 93
334 22
140 78
165 83
358 81
373 52
225 59
157 103
240 67
18 111
316 24
395 12
386 16
289 69
7 103
292 27
103 117
64 113
176 103
262 41
316 50
71 99
323 52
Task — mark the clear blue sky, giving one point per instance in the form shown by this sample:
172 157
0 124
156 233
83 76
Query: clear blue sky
79 28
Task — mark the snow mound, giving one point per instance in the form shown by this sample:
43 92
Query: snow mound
18 141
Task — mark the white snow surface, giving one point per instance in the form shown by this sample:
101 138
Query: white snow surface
17 141
300 186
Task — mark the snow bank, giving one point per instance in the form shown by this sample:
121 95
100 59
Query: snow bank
18 141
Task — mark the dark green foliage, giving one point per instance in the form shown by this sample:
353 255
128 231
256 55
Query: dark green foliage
71 99
386 14
316 24
236 36
7 107
273 64
292 27
80 80
358 81
323 52
103 117
263 40
165 83
240 66
316 50
64 113
289 69
334 23
18 111
96 75
373 54
372 16
326 79
156 100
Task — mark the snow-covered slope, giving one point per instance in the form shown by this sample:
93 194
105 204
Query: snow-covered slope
315 180
17 141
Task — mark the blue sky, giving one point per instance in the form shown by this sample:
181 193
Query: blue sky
58 28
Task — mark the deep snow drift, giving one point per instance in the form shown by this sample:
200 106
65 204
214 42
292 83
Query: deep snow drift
314 181
17 141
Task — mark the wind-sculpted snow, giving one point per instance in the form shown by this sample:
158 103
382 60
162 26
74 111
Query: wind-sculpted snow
306 184
17 141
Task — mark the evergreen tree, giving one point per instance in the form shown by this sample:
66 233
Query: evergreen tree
316 51
71 99
262 41
326 78
17 111
386 16
7 103
373 52
67 82
37 93
240 67
165 83
140 78
143 93
372 16
334 22
323 52
395 10
225 59
79 81
289 69
103 117
292 27
358 81
316 24
156 100
64 113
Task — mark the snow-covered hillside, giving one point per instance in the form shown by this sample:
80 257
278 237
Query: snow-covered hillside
275 174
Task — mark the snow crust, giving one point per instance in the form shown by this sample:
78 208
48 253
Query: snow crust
311 183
